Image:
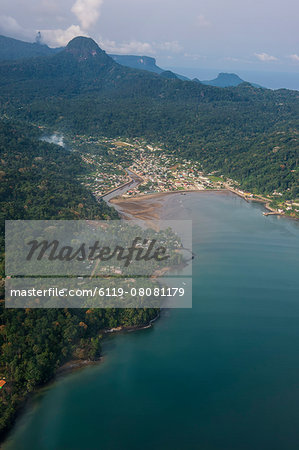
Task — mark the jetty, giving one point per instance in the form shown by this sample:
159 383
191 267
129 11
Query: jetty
272 213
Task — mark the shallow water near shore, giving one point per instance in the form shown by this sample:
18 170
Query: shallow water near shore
223 375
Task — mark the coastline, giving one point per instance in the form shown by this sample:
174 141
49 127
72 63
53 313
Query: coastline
117 200
73 365
143 207
130 206
69 367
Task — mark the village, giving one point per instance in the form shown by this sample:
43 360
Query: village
113 161
157 170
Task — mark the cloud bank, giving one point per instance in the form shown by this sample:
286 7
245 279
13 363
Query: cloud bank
60 37
295 57
87 12
10 27
140 48
265 57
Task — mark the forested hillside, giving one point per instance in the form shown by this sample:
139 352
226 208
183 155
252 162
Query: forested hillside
12 49
39 181
244 132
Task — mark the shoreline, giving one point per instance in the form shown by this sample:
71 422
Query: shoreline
138 197
69 367
130 206
146 214
124 202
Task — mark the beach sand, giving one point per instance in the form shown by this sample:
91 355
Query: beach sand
143 208
152 207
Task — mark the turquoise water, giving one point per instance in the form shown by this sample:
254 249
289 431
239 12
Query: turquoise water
223 375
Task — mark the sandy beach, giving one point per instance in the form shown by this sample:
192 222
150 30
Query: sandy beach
143 207
152 206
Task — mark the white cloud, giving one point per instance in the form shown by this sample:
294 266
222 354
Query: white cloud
137 47
87 11
9 25
59 38
294 57
202 22
126 48
265 57
54 38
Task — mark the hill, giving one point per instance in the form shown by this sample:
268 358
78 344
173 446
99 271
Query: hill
144 63
232 130
246 133
13 49
226 80
40 181
138 62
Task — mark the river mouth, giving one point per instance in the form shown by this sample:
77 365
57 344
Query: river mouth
119 191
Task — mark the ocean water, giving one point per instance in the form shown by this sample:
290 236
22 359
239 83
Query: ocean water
223 375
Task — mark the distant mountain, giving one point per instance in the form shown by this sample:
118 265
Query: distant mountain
13 49
81 68
145 63
138 62
225 80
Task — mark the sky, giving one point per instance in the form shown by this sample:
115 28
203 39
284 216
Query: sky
224 34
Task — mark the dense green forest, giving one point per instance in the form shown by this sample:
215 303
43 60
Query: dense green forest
39 181
247 133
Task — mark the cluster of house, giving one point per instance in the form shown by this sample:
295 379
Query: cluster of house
165 173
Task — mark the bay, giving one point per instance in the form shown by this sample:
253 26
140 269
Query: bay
222 375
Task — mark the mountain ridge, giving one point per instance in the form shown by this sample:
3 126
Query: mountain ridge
138 62
14 49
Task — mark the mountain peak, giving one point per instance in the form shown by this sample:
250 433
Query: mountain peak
225 80
231 76
83 48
